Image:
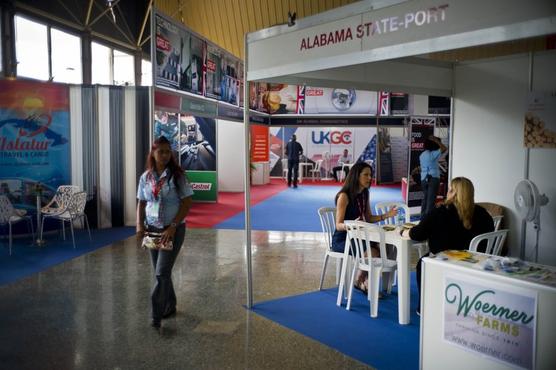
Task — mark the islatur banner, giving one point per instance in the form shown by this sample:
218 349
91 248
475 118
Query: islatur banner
34 140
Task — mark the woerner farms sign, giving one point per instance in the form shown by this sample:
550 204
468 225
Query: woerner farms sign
491 320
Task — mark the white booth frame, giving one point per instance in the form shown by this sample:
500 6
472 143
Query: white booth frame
394 63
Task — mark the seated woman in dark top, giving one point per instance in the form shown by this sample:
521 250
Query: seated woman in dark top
453 225
352 203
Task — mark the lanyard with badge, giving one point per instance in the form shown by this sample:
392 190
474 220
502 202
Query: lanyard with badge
361 200
156 186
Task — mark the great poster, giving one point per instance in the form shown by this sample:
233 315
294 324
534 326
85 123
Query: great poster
180 58
34 140
491 320
421 129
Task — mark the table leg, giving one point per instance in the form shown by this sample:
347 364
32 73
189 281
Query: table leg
403 283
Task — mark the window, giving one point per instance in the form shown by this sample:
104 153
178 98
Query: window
146 73
66 57
31 48
101 66
124 71
111 67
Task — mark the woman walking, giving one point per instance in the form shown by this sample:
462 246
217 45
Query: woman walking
164 198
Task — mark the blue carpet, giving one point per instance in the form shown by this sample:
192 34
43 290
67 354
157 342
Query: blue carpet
296 209
381 342
28 259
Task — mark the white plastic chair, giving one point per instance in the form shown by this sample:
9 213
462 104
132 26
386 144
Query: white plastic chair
383 207
59 203
285 168
316 170
327 217
495 241
75 209
497 221
358 235
9 215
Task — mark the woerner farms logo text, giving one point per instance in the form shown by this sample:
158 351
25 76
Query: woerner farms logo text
498 316
382 26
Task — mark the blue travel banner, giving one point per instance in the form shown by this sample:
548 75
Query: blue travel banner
34 140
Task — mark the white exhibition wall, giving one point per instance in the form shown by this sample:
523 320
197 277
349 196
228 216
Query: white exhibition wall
230 141
489 106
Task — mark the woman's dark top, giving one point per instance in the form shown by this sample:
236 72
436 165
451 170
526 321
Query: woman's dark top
354 210
444 230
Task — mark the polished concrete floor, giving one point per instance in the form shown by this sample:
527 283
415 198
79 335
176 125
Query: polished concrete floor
93 312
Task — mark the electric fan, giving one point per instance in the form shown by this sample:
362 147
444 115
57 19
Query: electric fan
528 202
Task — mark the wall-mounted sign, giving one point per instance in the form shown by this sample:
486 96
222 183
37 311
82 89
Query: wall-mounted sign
259 143
198 107
491 320
539 129
343 101
228 112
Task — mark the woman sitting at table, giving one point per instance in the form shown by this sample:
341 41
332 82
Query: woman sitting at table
352 203
452 225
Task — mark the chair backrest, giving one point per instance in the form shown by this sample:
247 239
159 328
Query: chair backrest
383 207
497 221
76 205
284 163
327 217
64 194
358 234
6 209
495 241
318 165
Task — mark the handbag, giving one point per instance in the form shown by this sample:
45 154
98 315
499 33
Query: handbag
153 240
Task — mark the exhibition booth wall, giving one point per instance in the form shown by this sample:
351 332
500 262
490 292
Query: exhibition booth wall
490 102
95 137
399 45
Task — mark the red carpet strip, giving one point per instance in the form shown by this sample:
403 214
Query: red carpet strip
206 215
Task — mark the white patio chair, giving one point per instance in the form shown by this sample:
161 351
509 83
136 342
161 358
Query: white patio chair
383 207
74 210
9 215
285 168
495 241
358 234
497 222
327 217
316 170
59 203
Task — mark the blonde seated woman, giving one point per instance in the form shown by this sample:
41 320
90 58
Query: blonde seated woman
452 225
352 203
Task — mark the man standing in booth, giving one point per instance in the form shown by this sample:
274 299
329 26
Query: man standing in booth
293 151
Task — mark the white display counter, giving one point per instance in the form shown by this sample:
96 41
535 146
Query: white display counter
261 174
485 312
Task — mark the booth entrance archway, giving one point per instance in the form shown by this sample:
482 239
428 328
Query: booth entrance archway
396 45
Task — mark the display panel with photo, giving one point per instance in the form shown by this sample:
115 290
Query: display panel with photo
166 124
197 143
214 71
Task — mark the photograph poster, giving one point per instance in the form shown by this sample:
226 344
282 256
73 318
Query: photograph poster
214 72
539 129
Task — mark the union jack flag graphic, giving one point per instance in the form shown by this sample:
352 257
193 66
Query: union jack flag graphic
300 109
383 103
